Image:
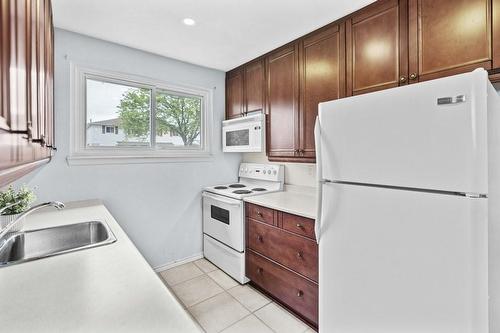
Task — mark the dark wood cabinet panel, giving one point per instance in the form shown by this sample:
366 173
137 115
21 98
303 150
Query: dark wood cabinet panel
295 252
234 94
496 34
253 87
27 66
448 37
283 264
322 71
259 213
283 102
298 225
376 51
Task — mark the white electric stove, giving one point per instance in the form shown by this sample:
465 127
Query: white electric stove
224 215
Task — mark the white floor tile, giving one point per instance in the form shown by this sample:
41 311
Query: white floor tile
181 273
249 297
280 320
250 324
205 265
196 290
222 279
218 313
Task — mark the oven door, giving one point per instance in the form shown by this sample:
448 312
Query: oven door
223 220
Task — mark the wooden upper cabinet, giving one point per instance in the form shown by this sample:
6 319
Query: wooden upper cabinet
26 86
4 65
254 86
496 34
376 39
283 101
322 78
448 37
234 93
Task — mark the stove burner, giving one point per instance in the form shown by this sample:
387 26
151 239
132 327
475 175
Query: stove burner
237 185
259 189
220 187
242 192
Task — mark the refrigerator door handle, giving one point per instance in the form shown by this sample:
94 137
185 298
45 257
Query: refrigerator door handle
319 178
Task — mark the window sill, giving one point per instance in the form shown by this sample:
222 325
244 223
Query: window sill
138 159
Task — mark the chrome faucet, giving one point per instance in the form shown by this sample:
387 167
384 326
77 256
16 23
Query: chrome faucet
8 227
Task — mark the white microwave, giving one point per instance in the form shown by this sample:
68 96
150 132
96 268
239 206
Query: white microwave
244 135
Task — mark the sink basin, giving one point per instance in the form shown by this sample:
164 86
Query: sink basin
36 244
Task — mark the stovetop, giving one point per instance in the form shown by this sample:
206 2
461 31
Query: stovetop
254 179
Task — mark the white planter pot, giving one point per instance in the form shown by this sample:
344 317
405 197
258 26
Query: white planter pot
6 219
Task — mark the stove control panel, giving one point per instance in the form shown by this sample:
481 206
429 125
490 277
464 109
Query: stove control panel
270 172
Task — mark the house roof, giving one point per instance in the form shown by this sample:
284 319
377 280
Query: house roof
107 122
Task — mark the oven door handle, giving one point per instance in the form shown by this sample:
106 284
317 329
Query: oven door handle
221 199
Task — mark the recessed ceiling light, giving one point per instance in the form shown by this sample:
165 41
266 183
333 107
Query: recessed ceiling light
189 21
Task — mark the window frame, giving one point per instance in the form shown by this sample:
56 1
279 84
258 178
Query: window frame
80 153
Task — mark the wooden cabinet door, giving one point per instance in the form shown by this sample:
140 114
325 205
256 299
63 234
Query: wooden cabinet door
283 102
448 37
322 78
376 43
234 94
496 34
4 65
254 85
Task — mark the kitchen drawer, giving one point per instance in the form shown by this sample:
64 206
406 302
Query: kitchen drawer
298 293
295 252
299 225
260 213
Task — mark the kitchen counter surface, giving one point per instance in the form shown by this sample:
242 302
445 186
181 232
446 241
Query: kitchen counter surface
104 289
298 200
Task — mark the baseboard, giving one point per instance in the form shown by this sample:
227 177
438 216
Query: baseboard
178 262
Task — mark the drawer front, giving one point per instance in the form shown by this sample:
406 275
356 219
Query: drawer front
295 252
298 293
260 213
299 225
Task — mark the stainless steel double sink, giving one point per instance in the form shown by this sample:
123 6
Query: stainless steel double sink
41 243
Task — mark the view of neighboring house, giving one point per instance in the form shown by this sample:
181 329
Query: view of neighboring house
109 133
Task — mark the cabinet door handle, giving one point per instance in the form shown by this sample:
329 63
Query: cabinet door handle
300 293
402 79
413 76
260 214
52 147
41 141
259 270
300 226
259 238
299 255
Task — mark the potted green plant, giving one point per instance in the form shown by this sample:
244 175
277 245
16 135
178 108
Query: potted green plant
13 203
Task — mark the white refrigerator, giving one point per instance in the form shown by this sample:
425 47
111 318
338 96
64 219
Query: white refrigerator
409 209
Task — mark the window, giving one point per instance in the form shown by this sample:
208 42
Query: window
122 117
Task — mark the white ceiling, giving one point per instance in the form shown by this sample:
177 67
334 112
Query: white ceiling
227 33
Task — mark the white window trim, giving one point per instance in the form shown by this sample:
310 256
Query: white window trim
80 154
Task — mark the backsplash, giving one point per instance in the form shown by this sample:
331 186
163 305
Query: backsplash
299 174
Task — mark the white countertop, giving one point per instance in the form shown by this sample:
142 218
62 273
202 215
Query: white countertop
296 200
104 289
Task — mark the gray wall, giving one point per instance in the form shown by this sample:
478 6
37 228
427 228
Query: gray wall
158 205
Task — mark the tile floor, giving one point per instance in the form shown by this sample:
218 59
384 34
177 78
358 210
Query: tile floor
220 304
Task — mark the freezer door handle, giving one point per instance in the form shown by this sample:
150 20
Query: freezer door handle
319 175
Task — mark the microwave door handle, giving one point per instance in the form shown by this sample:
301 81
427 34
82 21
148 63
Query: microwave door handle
219 198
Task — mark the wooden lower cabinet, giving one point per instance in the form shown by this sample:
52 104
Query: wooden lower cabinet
282 260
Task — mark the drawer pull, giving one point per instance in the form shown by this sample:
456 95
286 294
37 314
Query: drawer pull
260 214
300 293
300 226
299 255
259 238
259 270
